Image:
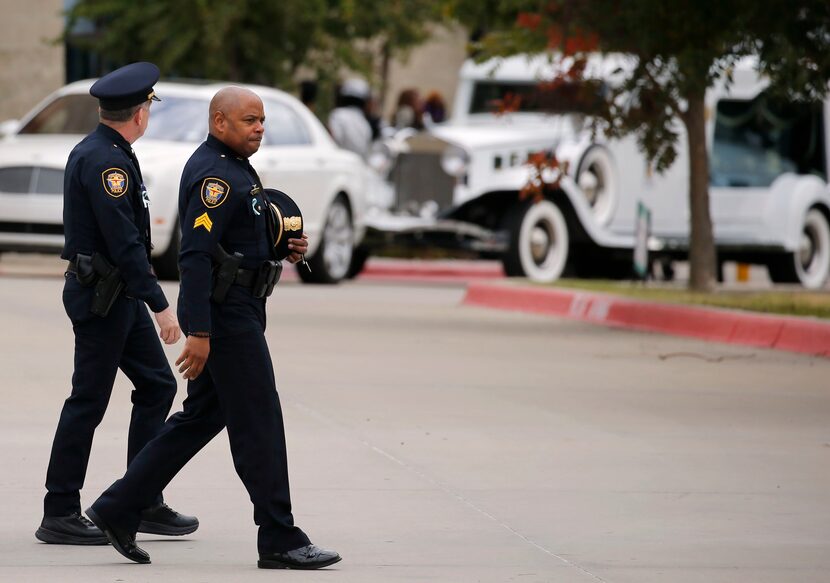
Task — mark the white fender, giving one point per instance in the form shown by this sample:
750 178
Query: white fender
791 196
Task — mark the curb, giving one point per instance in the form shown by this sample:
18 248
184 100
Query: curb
789 333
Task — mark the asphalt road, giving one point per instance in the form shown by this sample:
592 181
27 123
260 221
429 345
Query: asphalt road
434 442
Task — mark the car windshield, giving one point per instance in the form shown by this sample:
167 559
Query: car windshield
535 97
178 119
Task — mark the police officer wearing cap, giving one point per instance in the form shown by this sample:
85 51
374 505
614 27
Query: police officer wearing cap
234 234
108 282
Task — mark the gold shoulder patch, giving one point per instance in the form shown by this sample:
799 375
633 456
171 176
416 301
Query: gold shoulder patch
214 191
116 182
203 220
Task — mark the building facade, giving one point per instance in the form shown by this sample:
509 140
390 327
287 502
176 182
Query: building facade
35 61
31 54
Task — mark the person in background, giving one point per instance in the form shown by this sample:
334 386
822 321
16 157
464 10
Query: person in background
308 94
374 117
435 111
409 111
347 122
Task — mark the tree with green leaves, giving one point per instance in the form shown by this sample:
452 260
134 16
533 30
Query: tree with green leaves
680 49
253 41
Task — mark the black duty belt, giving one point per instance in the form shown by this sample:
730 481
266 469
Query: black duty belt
260 281
227 272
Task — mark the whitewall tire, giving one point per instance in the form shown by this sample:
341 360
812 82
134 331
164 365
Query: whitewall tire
597 178
809 264
539 241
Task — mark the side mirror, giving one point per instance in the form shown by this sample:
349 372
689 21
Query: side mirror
8 127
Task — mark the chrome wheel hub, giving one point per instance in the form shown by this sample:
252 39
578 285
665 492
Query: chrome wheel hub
807 248
540 243
338 238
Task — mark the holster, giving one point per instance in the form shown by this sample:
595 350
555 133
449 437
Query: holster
224 273
268 274
84 273
107 288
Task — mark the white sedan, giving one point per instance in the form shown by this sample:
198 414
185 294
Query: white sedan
297 156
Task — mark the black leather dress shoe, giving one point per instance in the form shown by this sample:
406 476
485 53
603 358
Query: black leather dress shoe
70 530
307 557
164 520
121 540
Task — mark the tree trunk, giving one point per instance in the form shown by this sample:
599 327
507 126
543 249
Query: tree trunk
386 57
702 258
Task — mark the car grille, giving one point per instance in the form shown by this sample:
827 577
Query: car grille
418 177
31 180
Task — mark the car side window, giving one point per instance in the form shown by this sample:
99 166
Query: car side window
757 140
283 127
68 114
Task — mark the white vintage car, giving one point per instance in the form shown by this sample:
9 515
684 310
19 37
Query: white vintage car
458 183
297 156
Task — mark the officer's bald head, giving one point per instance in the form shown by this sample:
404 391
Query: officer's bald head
236 118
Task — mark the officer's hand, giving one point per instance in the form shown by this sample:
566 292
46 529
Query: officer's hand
168 326
193 357
298 248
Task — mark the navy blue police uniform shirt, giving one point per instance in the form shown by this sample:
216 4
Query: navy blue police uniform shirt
220 201
105 210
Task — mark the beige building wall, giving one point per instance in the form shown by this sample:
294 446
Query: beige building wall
31 65
432 66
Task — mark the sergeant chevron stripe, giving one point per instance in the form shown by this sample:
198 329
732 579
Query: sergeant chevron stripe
203 220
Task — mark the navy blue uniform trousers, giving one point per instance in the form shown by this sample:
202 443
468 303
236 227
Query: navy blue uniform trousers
235 390
125 339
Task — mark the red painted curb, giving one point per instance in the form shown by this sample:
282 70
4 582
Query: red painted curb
779 332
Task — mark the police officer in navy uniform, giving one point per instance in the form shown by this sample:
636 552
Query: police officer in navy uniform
226 220
108 282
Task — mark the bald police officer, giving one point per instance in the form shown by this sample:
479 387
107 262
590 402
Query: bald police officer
229 265
108 282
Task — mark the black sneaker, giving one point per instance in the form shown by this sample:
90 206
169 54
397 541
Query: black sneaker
75 529
162 519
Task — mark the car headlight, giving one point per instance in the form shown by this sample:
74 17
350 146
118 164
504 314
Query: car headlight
381 158
455 161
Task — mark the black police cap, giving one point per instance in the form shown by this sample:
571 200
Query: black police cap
127 86
287 221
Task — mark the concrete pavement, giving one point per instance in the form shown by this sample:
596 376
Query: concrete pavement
434 442
487 286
